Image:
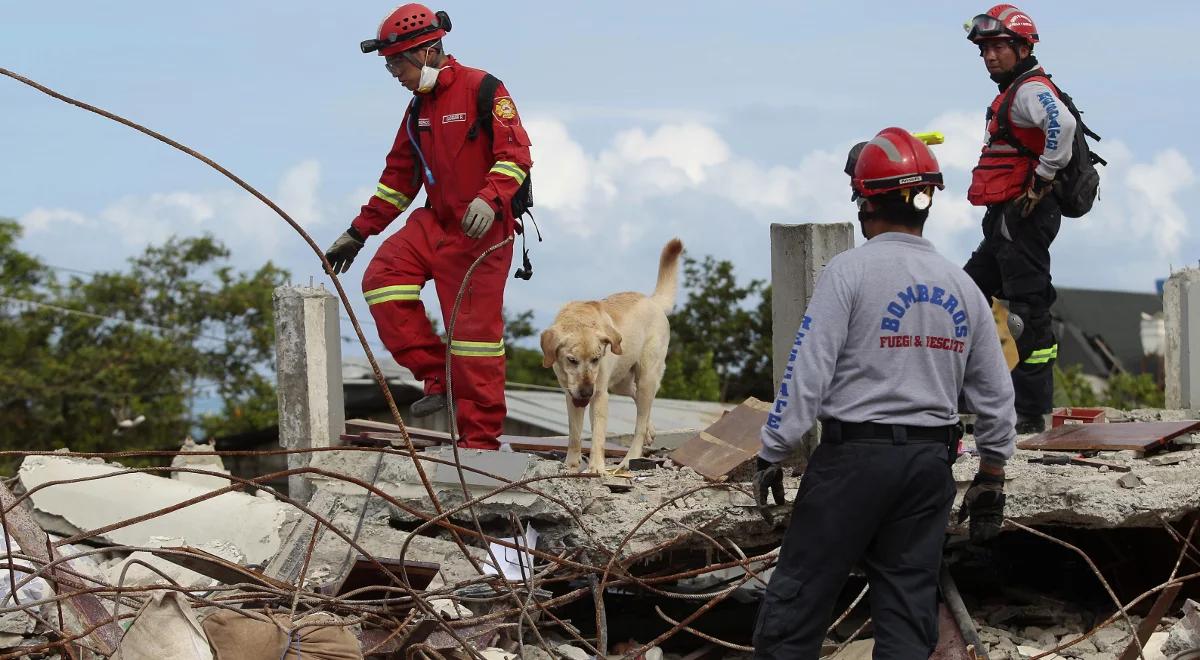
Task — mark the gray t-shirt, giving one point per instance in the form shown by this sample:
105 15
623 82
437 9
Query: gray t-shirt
893 333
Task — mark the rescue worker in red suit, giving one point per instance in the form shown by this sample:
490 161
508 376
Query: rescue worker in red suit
469 181
1014 180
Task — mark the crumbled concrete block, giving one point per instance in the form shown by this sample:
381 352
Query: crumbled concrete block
187 459
449 610
249 523
572 652
1129 480
1031 651
510 465
16 623
1184 635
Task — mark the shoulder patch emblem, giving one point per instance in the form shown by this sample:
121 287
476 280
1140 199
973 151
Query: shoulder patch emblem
504 108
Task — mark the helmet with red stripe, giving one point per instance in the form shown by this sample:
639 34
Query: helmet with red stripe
894 160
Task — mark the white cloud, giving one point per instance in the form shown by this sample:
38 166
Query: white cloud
253 232
1155 209
44 220
686 179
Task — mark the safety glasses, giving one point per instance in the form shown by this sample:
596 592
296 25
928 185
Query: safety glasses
985 27
395 63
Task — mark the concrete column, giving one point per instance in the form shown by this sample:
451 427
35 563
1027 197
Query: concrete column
308 361
1181 311
798 254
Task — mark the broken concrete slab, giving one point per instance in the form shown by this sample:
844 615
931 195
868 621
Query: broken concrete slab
1065 495
135 573
398 478
188 459
252 524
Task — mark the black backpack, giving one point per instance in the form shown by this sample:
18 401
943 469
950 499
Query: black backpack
523 199
1076 185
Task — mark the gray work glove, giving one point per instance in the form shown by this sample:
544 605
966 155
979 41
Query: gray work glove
341 254
984 505
1032 195
478 218
769 476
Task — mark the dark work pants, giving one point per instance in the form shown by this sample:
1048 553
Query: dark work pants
1016 267
885 506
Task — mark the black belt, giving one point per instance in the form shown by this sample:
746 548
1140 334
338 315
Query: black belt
836 431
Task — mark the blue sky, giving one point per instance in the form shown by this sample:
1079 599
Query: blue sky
650 120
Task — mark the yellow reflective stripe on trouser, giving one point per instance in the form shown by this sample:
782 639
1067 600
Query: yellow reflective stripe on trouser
477 348
1043 356
395 292
509 168
393 197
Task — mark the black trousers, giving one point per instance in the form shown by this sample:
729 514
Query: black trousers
880 504
1013 262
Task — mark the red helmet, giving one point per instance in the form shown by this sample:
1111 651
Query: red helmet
1002 22
894 160
407 27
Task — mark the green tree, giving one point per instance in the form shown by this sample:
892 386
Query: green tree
524 365
84 353
1122 390
715 329
691 377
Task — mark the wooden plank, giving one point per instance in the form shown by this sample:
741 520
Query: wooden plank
558 444
86 609
1136 436
357 426
726 444
1148 624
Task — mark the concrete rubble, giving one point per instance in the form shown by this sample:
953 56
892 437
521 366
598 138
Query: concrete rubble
106 496
665 516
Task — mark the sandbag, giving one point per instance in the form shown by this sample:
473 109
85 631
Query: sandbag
165 627
235 636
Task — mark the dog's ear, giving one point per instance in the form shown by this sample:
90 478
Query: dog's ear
612 336
549 347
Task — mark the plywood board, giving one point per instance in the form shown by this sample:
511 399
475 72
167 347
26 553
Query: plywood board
1137 436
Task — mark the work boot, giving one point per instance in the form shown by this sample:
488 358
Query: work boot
1030 424
428 404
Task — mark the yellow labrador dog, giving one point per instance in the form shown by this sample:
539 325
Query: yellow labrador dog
616 345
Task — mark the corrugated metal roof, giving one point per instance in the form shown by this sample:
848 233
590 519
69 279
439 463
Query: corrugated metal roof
547 409
357 371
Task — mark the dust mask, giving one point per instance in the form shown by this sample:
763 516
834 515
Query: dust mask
429 76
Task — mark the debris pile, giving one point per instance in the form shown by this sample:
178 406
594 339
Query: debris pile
447 553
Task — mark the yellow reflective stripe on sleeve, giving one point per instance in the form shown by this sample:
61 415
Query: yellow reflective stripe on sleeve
1043 356
395 292
509 168
477 348
393 197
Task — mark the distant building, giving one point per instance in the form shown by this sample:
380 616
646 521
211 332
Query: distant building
1102 331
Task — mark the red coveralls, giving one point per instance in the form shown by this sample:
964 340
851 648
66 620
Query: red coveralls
432 245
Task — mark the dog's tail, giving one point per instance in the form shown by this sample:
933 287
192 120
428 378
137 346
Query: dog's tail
668 276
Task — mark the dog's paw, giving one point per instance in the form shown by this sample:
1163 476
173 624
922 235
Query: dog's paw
572 466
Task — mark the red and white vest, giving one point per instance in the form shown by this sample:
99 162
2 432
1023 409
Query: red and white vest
1004 172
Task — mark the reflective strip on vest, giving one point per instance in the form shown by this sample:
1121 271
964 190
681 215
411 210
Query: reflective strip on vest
511 169
477 348
1043 356
395 198
394 292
